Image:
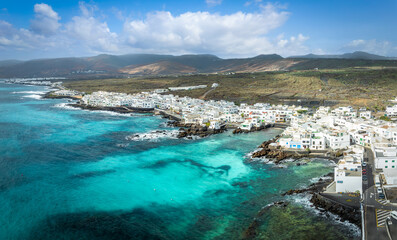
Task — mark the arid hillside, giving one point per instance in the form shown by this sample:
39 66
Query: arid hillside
363 87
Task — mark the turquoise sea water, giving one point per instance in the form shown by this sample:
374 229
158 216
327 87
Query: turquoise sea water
71 174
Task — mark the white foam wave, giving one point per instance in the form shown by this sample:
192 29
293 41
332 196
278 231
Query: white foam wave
304 200
31 92
35 96
65 106
154 136
110 113
317 179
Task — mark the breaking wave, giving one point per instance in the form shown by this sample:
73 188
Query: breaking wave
155 135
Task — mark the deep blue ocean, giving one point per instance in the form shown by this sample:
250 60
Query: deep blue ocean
71 174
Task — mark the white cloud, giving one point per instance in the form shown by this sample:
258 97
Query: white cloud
292 45
372 46
226 35
90 32
46 20
11 37
84 34
212 3
238 34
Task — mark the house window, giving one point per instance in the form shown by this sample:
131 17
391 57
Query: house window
385 166
392 166
339 181
393 161
386 161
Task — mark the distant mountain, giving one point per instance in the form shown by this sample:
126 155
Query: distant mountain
268 57
138 64
6 63
159 68
106 66
354 55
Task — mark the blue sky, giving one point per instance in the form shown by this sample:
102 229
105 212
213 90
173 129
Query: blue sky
227 28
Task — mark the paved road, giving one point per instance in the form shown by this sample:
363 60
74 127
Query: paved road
205 94
376 210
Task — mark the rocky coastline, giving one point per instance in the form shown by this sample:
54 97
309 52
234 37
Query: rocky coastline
276 154
345 213
254 129
326 206
190 130
319 202
112 109
314 187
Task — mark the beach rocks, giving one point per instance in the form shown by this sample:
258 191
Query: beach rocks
314 187
346 213
113 109
194 130
277 154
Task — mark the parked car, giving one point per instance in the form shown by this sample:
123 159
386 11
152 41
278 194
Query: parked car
365 178
380 190
393 214
381 196
364 164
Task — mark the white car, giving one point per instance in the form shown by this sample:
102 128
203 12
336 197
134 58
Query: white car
393 214
379 190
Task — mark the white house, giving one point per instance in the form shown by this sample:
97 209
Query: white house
247 124
366 114
338 139
385 156
348 180
347 174
317 141
391 111
214 125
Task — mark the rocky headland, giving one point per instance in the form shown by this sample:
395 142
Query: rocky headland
189 130
254 129
277 154
112 109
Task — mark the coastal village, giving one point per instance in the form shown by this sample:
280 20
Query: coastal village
343 130
351 135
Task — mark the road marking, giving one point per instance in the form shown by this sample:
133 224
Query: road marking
382 201
381 216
